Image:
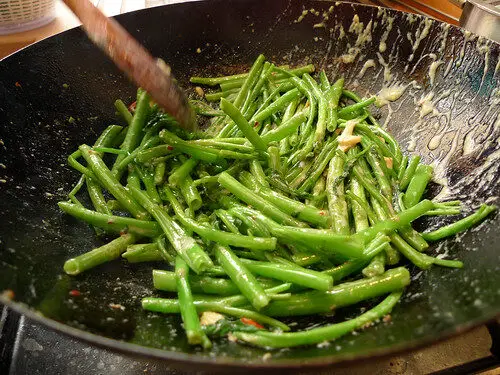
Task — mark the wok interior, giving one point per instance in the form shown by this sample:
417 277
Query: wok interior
38 134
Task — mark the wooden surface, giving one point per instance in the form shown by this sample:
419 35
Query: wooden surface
439 9
66 20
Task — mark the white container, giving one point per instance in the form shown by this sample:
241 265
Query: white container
22 15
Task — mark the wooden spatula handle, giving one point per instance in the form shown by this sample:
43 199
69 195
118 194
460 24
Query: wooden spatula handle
130 56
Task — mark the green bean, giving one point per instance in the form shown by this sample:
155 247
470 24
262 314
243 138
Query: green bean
218 80
365 129
299 172
216 141
147 179
98 256
146 155
103 174
380 175
276 106
372 218
224 238
358 212
159 174
351 95
178 175
321 334
253 227
258 173
142 253
243 125
418 184
165 280
267 194
307 146
354 110
109 150
234 169
230 146
96 196
319 167
121 166
258 202
233 84
346 269
204 109
290 110
250 80
319 134
285 129
319 240
394 145
123 111
75 190
270 98
444 212
376 266
325 83
409 172
196 151
365 179
259 86
192 326
402 169
133 179
290 272
190 193
407 232
337 205
167 252
112 224
396 222
332 97
305 259
310 172
72 162
214 81
242 277
167 306
318 193
460 225
108 136
94 189
134 132
345 294
216 96
228 220
422 261
290 206
183 244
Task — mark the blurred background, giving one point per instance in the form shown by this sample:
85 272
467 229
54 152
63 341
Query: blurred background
48 17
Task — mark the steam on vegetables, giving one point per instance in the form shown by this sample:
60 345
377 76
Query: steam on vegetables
292 201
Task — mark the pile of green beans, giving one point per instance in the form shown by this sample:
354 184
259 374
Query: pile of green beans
293 201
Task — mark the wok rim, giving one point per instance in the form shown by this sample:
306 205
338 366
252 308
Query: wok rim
180 359
118 346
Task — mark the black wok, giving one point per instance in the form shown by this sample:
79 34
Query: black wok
59 93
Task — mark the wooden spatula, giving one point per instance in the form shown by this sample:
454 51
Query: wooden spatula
130 56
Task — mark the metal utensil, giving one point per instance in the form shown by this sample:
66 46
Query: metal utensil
130 56
481 17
